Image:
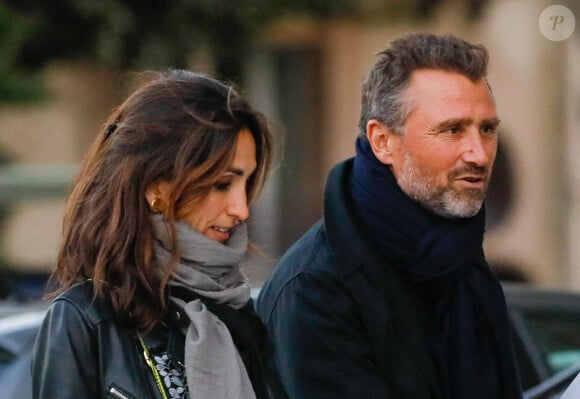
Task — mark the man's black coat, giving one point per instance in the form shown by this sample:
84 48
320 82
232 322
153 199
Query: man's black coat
344 323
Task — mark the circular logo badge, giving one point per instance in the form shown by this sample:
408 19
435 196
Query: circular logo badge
557 23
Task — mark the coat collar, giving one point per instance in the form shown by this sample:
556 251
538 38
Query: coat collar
351 252
342 229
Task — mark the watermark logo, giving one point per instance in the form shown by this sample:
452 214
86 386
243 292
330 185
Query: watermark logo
557 23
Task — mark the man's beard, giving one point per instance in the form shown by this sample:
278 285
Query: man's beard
443 200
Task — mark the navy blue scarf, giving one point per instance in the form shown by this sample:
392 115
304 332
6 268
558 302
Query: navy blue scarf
470 338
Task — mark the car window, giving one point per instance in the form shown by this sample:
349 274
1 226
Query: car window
557 336
5 356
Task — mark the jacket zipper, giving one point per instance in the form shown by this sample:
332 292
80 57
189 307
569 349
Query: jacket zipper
116 393
149 362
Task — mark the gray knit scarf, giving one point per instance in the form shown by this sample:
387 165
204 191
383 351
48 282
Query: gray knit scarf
213 366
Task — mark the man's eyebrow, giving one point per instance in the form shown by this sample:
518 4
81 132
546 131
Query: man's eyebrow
491 121
466 121
453 122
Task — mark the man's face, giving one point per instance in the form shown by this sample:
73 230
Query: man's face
445 156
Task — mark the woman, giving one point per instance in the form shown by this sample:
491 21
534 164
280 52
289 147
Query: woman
151 301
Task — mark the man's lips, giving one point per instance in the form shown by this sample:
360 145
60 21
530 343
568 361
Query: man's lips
472 178
472 181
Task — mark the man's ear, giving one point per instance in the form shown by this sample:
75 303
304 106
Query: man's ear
382 140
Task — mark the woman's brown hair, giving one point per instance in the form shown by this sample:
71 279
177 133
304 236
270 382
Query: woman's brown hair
176 126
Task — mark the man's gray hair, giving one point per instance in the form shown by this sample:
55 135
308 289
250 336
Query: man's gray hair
383 90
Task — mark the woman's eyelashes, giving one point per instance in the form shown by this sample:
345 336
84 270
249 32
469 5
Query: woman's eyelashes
223 185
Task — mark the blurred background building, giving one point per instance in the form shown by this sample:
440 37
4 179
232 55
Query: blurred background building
65 64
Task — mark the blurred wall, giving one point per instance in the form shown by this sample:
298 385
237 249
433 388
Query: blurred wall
53 131
532 79
306 76
571 205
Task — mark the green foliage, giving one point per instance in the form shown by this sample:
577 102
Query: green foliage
15 85
132 34
153 34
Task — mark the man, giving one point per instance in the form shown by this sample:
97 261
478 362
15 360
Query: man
390 296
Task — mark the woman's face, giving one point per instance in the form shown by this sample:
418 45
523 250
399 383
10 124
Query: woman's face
226 205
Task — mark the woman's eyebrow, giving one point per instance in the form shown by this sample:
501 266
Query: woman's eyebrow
236 171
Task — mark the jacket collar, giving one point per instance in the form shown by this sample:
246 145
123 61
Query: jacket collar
342 229
346 237
168 335
345 232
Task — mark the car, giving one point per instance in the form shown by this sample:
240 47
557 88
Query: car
546 334
12 308
18 328
545 324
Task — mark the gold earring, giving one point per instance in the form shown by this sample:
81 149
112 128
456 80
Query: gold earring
156 206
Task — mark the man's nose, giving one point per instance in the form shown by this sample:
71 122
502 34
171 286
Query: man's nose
479 149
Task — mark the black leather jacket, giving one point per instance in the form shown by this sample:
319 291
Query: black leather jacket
81 353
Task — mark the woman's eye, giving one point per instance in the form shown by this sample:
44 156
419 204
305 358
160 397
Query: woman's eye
222 186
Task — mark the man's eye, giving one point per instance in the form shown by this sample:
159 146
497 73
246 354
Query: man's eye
489 129
454 129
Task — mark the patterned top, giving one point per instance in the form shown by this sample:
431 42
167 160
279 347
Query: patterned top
172 374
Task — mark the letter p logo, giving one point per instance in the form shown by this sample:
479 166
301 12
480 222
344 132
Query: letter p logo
557 20
557 23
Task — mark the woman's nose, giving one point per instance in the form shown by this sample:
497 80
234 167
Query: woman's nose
238 207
